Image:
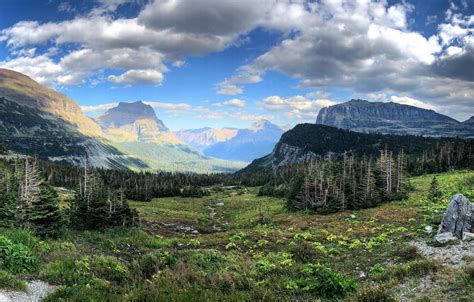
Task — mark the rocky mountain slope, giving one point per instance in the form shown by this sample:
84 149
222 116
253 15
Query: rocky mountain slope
469 122
391 118
205 137
135 129
21 89
248 144
28 130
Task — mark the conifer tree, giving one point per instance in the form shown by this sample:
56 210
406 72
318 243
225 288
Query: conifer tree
44 214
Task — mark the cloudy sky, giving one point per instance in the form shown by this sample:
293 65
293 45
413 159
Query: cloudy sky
231 62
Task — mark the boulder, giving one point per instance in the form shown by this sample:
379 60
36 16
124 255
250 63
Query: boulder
458 218
467 236
444 238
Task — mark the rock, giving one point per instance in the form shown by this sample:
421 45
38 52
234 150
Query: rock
428 229
467 236
459 217
35 292
353 216
445 238
220 204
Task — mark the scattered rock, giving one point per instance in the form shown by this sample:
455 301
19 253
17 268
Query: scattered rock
458 218
444 238
428 229
451 255
35 292
467 236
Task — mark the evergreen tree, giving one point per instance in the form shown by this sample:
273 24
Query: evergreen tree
434 194
44 214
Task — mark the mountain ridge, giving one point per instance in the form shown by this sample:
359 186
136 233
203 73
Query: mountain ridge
391 118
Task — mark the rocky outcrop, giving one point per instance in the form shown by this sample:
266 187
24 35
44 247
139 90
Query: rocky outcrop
288 155
392 118
469 122
458 220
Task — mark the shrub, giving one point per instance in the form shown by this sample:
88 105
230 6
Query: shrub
8 281
415 268
150 263
407 252
16 258
323 281
265 267
209 261
375 294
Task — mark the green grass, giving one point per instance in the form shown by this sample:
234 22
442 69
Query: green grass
261 253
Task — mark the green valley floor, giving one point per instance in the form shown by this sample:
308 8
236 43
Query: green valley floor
236 246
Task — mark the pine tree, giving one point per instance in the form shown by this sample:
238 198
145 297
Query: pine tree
44 214
434 194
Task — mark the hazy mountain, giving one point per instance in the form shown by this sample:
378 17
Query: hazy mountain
469 122
205 137
248 144
391 118
307 141
135 129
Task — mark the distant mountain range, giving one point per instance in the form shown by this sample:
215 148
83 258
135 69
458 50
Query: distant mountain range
392 118
204 137
37 120
135 129
248 144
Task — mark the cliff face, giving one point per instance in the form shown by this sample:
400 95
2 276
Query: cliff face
129 122
23 90
469 122
391 118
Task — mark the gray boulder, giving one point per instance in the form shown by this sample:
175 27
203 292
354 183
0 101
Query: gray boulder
443 238
458 218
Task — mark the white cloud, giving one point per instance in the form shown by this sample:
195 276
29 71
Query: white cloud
229 90
233 102
295 107
133 76
412 102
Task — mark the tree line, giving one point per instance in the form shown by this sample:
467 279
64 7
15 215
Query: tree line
352 181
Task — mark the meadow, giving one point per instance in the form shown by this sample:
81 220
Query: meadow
237 246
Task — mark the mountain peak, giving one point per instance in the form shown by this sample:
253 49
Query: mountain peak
262 124
469 121
391 118
129 113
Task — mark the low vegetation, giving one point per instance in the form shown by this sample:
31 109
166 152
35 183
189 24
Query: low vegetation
234 245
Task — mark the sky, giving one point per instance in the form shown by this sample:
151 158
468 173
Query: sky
229 63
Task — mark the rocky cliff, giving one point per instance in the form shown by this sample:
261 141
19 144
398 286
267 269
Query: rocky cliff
21 89
391 118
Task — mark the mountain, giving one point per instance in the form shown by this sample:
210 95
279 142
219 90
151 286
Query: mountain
135 129
21 89
36 120
205 137
307 141
391 118
469 122
248 144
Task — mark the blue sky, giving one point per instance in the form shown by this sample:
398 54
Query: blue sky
230 63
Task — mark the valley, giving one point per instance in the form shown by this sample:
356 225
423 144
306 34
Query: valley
262 252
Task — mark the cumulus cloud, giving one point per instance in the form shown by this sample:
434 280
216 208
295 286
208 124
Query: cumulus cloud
133 76
230 90
412 102
185 109
233 103
295 107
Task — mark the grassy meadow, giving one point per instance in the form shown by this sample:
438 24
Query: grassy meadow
236 246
